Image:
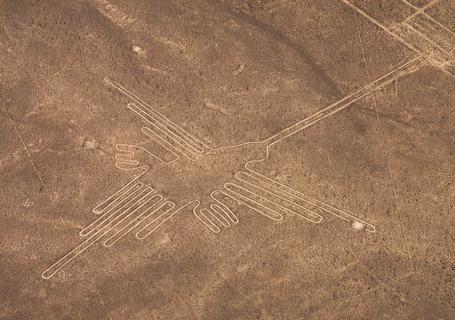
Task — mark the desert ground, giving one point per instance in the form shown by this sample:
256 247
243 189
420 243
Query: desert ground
227 159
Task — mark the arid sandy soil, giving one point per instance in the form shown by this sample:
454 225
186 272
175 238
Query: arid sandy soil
276 136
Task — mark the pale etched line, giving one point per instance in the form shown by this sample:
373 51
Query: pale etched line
144 113
442 69
205 212
206 221
131 210
183 133
314 216
113 13
435 55
52 270
433 31
429 40
378 287
246 200
393 34
324 206
167 133
422 12
134 223
162 120
366 15
162 218
366 90
221 214
432 53
227 211
128 153
117 204
103 205
152 135
141 203
102 220
27 152
402 70
133 205
419 11
126 158
40 33
156 223
166 144
386 154
342 104
121 198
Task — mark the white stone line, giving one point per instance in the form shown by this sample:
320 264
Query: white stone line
130 200
103 206
347 101
220 212
265 207
128 155
418 11
119 199
125 211
200 214
90 241
421 11
442 69
393 31
318 116
152 135
310 215
205 212
167 124
132 224
380 25
173 148
223 207
429 40
160 220
172 139
292 193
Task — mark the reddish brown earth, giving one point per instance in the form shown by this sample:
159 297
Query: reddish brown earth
228 73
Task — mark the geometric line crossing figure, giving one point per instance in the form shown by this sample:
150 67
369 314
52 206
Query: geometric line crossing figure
211 178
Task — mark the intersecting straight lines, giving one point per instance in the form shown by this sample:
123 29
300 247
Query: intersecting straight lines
421 11
415 46
381 283
428 39
347 101
382 286
129 202
27 152
381 129
279 191
386 153
376 22
125 203
377 114
447 72
387 158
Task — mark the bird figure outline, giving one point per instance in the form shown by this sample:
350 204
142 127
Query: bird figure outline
205 180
